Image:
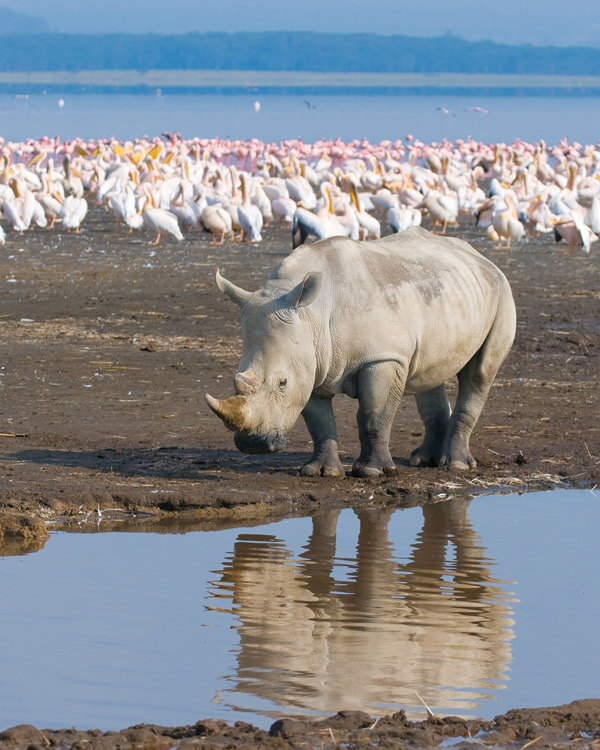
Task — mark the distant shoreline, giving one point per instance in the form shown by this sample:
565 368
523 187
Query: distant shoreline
294 82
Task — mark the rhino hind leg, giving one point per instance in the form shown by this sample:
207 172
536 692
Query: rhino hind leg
474 383
320 421
434 410
380 386
472 393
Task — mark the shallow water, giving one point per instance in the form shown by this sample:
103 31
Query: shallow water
498 119
477 607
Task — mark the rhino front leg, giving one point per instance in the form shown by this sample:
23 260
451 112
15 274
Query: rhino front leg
434 410
318 415
379 387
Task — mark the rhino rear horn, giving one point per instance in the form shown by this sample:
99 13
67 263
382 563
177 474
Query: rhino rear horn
246 382
236 293
230 410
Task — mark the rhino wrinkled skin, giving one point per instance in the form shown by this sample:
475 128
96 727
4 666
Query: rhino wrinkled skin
373 320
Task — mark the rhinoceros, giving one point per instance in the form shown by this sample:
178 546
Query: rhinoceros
373 320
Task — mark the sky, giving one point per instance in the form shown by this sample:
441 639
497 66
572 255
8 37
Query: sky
539 22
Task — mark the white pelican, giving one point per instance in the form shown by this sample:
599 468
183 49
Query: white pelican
369 226
49 202
73 212
72 182
506 222
260 199
217 221
402 217
159 219
122 203
18 206
321 225
574 231
300 190
442 207
249 214
283 208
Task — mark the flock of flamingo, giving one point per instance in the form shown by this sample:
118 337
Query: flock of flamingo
171 185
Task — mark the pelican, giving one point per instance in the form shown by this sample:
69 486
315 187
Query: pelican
323 224
159 219
574 231
283 208
72 183
249 214
260 199
50 203
217 221
18 206
442 208
73 212
369 226
402 217
299 190
505 221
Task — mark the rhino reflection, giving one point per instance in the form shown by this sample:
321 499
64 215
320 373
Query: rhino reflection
315 636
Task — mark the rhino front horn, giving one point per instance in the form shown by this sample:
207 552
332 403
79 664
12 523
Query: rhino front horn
236 293
230 410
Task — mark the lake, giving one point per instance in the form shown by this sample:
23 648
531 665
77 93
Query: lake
478 606
430 118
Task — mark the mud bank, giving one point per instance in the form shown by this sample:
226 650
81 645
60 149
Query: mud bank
110 343
575 725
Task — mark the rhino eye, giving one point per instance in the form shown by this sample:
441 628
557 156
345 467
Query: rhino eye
283 383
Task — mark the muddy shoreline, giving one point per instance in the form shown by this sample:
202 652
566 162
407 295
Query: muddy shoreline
109 345
574 725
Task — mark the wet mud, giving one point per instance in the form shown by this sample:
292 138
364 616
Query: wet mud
110 343
575 725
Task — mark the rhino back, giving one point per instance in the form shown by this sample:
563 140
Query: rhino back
415 297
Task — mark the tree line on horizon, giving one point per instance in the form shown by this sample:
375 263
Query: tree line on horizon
289 51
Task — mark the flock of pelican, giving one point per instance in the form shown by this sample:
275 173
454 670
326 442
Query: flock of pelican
232 188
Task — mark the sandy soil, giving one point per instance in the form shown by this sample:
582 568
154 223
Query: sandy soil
109 344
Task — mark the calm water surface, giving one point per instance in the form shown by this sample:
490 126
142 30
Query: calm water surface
374 117
478 607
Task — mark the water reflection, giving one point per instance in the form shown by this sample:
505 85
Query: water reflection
319 633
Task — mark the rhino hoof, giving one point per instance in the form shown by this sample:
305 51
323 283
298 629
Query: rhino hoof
366 471
420 459
458 464
369 470
315 470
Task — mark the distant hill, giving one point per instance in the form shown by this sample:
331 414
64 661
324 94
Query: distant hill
13 22
287 51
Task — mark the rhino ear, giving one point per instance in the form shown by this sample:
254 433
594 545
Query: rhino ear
237 294
305 292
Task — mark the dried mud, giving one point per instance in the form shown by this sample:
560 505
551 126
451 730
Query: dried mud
108 347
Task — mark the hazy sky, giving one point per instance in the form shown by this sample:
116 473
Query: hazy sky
540 22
